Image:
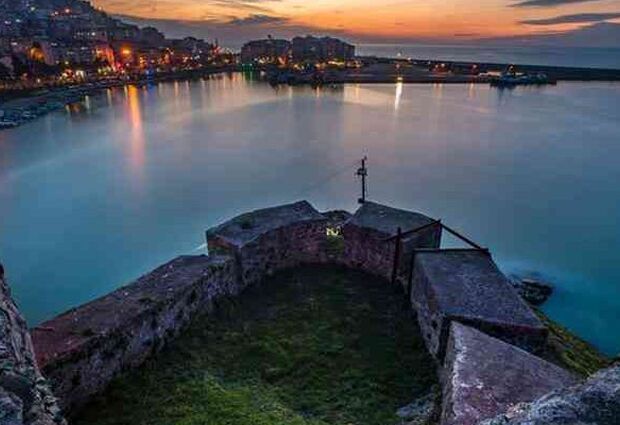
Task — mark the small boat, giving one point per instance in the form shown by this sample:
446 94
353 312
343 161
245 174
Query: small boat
511 79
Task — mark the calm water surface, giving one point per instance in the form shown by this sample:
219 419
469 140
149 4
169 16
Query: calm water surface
94 196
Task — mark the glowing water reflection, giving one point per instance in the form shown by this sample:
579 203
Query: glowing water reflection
136 140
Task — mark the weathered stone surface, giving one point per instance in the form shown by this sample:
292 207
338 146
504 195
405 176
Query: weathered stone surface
11 409
386 219
25 397
484 376
82 350
271 239
594 402
366 232
248 227
467 286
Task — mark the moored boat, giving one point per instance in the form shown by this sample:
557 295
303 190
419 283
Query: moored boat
510 78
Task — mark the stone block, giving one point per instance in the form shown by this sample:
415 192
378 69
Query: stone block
466 286
271 239
366 232
484 376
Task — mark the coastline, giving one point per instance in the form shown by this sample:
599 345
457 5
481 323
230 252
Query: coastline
34 104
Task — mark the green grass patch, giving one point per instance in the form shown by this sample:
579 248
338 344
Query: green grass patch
570 351
310 346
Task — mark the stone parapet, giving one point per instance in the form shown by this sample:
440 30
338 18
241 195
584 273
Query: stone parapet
82 350
271 239
466 286
366 234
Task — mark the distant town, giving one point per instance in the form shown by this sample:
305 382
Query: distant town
56 41
45 42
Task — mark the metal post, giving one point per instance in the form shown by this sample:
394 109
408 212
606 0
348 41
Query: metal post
363 172
396 256
410 277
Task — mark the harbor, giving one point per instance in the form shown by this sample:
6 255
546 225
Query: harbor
26 106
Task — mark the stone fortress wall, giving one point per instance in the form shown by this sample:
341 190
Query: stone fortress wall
482 335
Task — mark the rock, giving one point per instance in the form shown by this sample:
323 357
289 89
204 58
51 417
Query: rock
422 410
594 402
532 291
19 385
22 387
10 409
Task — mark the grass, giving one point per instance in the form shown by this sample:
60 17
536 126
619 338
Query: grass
310 346
570 351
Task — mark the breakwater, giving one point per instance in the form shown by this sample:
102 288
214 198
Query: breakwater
485 340
428 71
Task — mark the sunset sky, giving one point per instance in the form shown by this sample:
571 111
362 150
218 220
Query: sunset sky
374 20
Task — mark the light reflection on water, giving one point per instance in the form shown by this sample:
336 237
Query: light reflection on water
92 197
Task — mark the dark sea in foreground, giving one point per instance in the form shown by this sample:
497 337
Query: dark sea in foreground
94 196
581 57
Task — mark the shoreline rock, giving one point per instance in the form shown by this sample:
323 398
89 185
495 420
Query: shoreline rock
532 290
596 401
25 395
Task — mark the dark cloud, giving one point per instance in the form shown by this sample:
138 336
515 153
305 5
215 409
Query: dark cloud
579 18
548 3
247 5
602 34
259 19
232 31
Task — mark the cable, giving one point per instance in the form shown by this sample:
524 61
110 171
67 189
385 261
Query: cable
331 176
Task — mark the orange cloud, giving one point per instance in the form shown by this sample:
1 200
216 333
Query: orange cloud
368 18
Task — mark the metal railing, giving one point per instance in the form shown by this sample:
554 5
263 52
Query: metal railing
400 235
